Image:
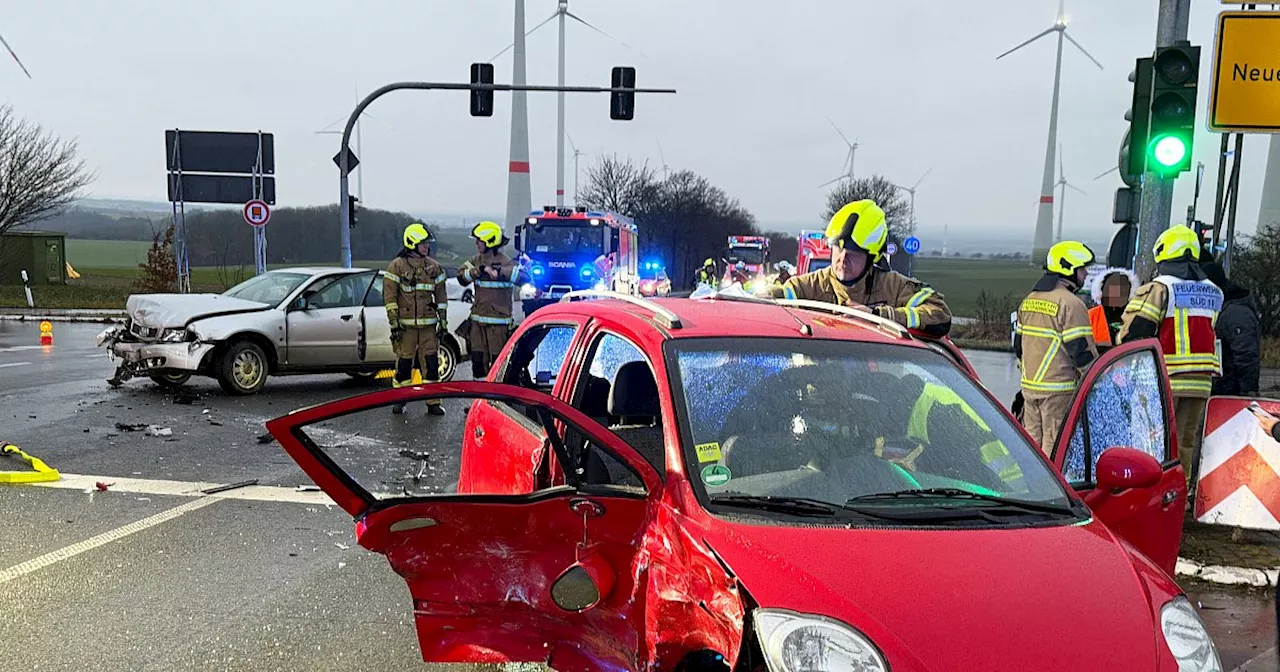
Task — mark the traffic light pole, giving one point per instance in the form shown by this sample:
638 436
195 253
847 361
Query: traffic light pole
1157 192
344 153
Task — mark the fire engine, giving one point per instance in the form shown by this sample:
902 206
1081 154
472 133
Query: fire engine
752 251
815 253
567 249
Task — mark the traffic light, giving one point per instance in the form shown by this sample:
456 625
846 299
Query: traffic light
351 210
481 100
1175 71
622 104
1139 118
1128 203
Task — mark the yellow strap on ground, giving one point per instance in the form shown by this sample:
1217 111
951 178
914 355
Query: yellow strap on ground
42 472
388 374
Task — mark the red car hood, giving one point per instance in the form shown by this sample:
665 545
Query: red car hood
1061 598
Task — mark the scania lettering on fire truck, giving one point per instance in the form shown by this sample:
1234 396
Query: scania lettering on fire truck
570 249
753 252
815 253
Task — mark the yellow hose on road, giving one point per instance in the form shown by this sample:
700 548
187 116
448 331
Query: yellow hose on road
42 472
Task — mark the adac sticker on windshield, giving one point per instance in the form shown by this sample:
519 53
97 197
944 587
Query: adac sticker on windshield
708 452
716 475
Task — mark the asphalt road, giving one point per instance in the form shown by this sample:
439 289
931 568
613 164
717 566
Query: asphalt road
147 575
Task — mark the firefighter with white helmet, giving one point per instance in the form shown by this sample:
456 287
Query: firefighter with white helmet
858 233
1054 342
495 276
1181 307
413 292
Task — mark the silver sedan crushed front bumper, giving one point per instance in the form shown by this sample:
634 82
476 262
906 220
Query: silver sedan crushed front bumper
141 358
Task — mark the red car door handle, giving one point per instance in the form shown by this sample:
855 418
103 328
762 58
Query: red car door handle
586 508
346 318
1169 497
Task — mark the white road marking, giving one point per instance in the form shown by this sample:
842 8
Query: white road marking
146 486
16 348
5 366
91 543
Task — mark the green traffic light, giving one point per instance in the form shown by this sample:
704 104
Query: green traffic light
1169 151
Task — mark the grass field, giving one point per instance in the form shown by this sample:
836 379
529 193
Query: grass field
961 280
108 268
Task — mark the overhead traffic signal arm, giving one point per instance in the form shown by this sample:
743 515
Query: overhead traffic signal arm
1139 118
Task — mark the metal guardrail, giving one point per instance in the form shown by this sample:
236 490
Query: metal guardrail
664 316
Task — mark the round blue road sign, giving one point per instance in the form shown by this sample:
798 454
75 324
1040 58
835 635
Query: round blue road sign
911 245
891 249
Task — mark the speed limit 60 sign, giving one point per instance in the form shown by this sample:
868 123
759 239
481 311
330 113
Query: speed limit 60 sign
257 213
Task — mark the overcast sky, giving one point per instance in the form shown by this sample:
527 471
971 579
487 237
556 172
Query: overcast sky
916 82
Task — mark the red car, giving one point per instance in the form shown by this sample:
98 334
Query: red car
719 484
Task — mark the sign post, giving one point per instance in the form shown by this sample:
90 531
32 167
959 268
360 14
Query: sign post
911 246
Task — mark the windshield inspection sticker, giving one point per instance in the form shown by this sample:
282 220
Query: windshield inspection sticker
708 452
716 475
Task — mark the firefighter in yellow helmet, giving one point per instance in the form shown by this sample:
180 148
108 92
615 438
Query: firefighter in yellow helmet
707 274
495 276
857 234
414 293
1180 306
1054 342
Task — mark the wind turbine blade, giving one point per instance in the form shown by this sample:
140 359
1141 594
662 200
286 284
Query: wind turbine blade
1046 32
1075 188
1062 9
579 19
842 135
842 177
15 57
1113 170
662 156
1062 167
527 34
926 174
1073 41
570 139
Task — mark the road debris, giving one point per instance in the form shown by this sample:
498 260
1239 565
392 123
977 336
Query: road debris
101 486
137 427
342 546
229 486
307 488
266 438
158 431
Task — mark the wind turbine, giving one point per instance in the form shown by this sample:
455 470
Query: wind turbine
1044 217
562 13
576 154
912 190
848 157
666 170
15 57
1063 184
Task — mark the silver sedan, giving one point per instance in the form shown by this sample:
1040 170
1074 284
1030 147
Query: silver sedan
283 322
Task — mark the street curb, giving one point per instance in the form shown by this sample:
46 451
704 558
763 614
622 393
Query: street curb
1229 576
106 318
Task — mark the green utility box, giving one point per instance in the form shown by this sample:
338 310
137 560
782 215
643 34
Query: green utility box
42 254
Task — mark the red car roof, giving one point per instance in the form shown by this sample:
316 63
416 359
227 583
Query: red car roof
710 318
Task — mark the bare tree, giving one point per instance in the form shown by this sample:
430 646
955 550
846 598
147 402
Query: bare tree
618 185
40 175
897 209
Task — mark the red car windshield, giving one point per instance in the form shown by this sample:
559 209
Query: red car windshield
836 420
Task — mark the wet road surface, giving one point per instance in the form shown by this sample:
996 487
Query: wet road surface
150 575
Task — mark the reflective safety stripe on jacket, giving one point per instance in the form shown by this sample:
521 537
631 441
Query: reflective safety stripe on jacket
413 292
1057 340
994 453
493 296
1187 335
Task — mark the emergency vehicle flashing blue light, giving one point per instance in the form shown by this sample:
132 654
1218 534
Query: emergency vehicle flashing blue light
538 270
586 272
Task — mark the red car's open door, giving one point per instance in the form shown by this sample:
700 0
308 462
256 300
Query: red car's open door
555 575
1140 493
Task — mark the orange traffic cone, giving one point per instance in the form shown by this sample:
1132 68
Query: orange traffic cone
46 333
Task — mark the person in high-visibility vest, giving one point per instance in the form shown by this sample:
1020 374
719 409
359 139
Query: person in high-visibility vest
495 276
1054 342
1181 307
934 398
413 292
1111 289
